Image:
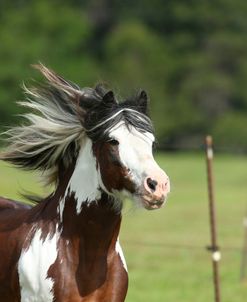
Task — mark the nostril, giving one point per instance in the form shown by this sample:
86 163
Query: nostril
166 185
152 184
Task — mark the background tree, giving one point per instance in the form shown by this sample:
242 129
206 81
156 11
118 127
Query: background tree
189 55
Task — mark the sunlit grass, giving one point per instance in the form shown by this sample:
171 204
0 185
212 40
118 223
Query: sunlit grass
14 182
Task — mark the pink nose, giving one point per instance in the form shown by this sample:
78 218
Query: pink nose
158 187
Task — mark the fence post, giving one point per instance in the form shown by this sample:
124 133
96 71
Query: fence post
212 214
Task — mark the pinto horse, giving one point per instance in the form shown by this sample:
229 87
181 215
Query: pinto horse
95 151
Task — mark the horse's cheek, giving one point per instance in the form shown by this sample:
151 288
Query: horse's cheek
111 169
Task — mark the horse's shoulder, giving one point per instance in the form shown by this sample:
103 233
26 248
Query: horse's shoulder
6 203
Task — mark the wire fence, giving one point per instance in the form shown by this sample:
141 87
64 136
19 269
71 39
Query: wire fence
180 246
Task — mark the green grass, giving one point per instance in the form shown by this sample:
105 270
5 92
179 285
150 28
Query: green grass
165 249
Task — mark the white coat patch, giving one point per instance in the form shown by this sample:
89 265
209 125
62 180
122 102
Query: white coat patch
121 255
33 267
84 181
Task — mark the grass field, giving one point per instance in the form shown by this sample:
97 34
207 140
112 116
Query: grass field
165 249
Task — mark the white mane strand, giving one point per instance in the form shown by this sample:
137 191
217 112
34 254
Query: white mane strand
54 129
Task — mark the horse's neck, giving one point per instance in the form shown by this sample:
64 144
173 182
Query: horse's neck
82 207
97 224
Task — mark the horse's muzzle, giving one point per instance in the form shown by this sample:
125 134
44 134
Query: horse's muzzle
156 189
151 202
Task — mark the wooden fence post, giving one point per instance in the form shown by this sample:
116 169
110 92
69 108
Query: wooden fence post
212 213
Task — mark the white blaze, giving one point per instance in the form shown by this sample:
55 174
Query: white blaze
135 150
33 267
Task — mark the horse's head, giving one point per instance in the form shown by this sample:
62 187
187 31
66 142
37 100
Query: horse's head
122 136
119 142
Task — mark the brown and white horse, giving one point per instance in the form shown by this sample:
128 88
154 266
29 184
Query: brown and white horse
95 151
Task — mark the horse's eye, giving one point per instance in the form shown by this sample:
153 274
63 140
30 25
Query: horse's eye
114 142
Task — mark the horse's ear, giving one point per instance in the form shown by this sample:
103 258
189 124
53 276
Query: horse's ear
88 99
109 98
142 101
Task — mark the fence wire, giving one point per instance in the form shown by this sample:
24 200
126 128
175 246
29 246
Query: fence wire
179 246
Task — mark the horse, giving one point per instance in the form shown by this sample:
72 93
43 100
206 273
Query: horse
94 151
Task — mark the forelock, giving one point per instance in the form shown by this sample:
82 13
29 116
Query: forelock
99 123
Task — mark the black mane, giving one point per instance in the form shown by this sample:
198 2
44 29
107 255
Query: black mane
103 116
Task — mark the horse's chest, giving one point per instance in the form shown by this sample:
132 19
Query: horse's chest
102 280
40 265
33 267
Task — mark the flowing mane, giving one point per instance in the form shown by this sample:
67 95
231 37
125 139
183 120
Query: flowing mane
62 114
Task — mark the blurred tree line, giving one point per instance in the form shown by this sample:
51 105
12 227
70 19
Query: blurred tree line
190 55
